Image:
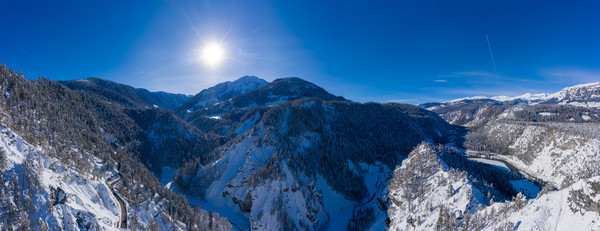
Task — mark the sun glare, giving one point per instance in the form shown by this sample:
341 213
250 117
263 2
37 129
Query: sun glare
213 54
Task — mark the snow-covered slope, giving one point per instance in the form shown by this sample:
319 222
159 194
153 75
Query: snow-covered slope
552 137
220 92
424 190
62 176
59 198
586 95
556 144
273 93
557 153
572 208
286 172
426 194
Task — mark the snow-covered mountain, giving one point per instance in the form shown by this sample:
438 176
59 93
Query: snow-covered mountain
426 193
223 117
584 95
533 137
311 164
288 155
41 192
220 92
64 149
552 139
278 91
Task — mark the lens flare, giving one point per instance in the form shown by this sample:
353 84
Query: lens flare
213 54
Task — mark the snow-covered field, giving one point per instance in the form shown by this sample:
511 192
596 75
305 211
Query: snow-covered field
495 163
572 208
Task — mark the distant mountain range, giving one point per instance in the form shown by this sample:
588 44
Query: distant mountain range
586 95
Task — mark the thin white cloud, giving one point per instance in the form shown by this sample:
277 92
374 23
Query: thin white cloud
440 81
571 75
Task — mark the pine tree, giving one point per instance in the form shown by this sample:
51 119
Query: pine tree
520 201
449 191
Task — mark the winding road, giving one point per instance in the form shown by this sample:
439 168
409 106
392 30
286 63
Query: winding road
123 222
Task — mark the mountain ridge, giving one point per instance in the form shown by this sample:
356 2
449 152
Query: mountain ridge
586 95
220 92
125 94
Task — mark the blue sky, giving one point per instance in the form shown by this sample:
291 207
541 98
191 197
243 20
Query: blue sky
400 51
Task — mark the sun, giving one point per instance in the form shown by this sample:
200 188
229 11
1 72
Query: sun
213 54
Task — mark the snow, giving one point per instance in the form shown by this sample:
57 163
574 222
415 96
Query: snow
579 95
237 162
337 207
556 211
247 124
572 208
468 98
585 117
529 97
494 163
558 155
547 113
426 206
586 104
86 198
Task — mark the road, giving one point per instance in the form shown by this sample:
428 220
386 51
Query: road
123 221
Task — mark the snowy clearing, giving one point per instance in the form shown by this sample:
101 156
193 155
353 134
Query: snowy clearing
491 162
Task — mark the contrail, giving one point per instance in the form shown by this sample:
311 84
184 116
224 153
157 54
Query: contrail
491 55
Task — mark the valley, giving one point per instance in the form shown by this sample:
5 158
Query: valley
288 155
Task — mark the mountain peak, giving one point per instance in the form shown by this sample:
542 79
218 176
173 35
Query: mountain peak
250 78
220 92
